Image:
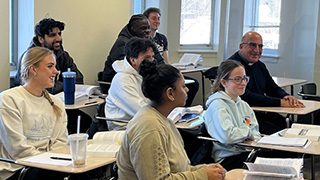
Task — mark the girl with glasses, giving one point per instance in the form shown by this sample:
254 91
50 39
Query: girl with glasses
229 119
152 147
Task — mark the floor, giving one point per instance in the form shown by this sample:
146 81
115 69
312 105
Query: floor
307 168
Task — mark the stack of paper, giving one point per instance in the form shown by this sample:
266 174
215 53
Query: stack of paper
282 141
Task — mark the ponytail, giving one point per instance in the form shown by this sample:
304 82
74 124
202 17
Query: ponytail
56 109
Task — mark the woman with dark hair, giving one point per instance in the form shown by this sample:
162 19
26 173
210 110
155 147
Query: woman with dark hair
152 147
228 118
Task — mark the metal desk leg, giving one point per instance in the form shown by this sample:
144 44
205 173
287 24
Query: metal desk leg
313 171
291 89
203 90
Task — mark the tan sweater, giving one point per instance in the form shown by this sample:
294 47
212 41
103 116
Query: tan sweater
152 148
28 127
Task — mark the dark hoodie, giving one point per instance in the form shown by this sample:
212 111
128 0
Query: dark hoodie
117 52
64 61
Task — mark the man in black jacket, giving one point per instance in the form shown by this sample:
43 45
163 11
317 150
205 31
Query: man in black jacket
48 34
261 90
138 26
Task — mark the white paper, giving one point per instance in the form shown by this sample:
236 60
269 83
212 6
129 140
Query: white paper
44 158
282 141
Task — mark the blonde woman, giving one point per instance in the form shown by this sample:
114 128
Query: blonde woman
31 120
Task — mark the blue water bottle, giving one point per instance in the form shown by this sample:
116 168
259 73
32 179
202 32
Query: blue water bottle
69 83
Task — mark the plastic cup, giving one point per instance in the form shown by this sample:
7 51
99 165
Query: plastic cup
78 149
69 83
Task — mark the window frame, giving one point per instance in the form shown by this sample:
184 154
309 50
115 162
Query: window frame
213 43
251 19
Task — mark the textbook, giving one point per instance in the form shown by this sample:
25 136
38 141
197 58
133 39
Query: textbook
311 132
105 143
274 168
188 59
283 141
185 113
83 92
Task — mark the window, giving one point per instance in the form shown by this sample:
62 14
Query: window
196 25
264 17
21 28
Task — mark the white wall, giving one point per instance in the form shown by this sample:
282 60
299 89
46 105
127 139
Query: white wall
91 29
4 46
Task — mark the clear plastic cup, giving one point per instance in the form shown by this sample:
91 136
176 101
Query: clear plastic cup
78 149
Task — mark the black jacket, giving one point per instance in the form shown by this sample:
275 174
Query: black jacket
64 61
117 52
261 89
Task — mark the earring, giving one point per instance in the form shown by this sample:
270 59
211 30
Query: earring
172 99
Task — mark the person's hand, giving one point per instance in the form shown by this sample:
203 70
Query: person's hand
291 101
215 172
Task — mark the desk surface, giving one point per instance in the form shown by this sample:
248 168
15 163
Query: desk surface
93 162
310 106
283 82
193 69
86 103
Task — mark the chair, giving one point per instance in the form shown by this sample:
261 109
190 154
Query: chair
309 92
207 138
22 172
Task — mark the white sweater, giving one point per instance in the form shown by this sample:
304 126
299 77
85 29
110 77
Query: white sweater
27 127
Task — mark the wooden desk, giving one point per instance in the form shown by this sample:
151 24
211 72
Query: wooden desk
200 69
93 162
284 82
312 150
310 106
85 103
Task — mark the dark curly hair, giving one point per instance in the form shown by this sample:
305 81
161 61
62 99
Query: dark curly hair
157 78
45 26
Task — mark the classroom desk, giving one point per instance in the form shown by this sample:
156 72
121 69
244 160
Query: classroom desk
200 69
312 149
93 162
85 103
310 106
284 82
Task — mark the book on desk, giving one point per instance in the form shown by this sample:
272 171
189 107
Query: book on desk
185 114
274 168
83 92
188 60
105 143
311 132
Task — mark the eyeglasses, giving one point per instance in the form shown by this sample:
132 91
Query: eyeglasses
238 80
254 45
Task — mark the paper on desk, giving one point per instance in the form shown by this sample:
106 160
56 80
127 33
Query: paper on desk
44 158
282 141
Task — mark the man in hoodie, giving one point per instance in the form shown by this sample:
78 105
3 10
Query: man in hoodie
138 26
125 95
48 34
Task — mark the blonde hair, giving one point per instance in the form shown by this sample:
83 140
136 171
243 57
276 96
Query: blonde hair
34 56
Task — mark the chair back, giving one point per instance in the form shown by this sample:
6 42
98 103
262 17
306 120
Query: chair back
308 92
309 88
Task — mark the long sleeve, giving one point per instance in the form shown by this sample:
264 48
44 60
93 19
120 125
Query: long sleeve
11 131
155 164
221 125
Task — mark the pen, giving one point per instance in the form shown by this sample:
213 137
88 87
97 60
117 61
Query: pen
90 102
61 158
